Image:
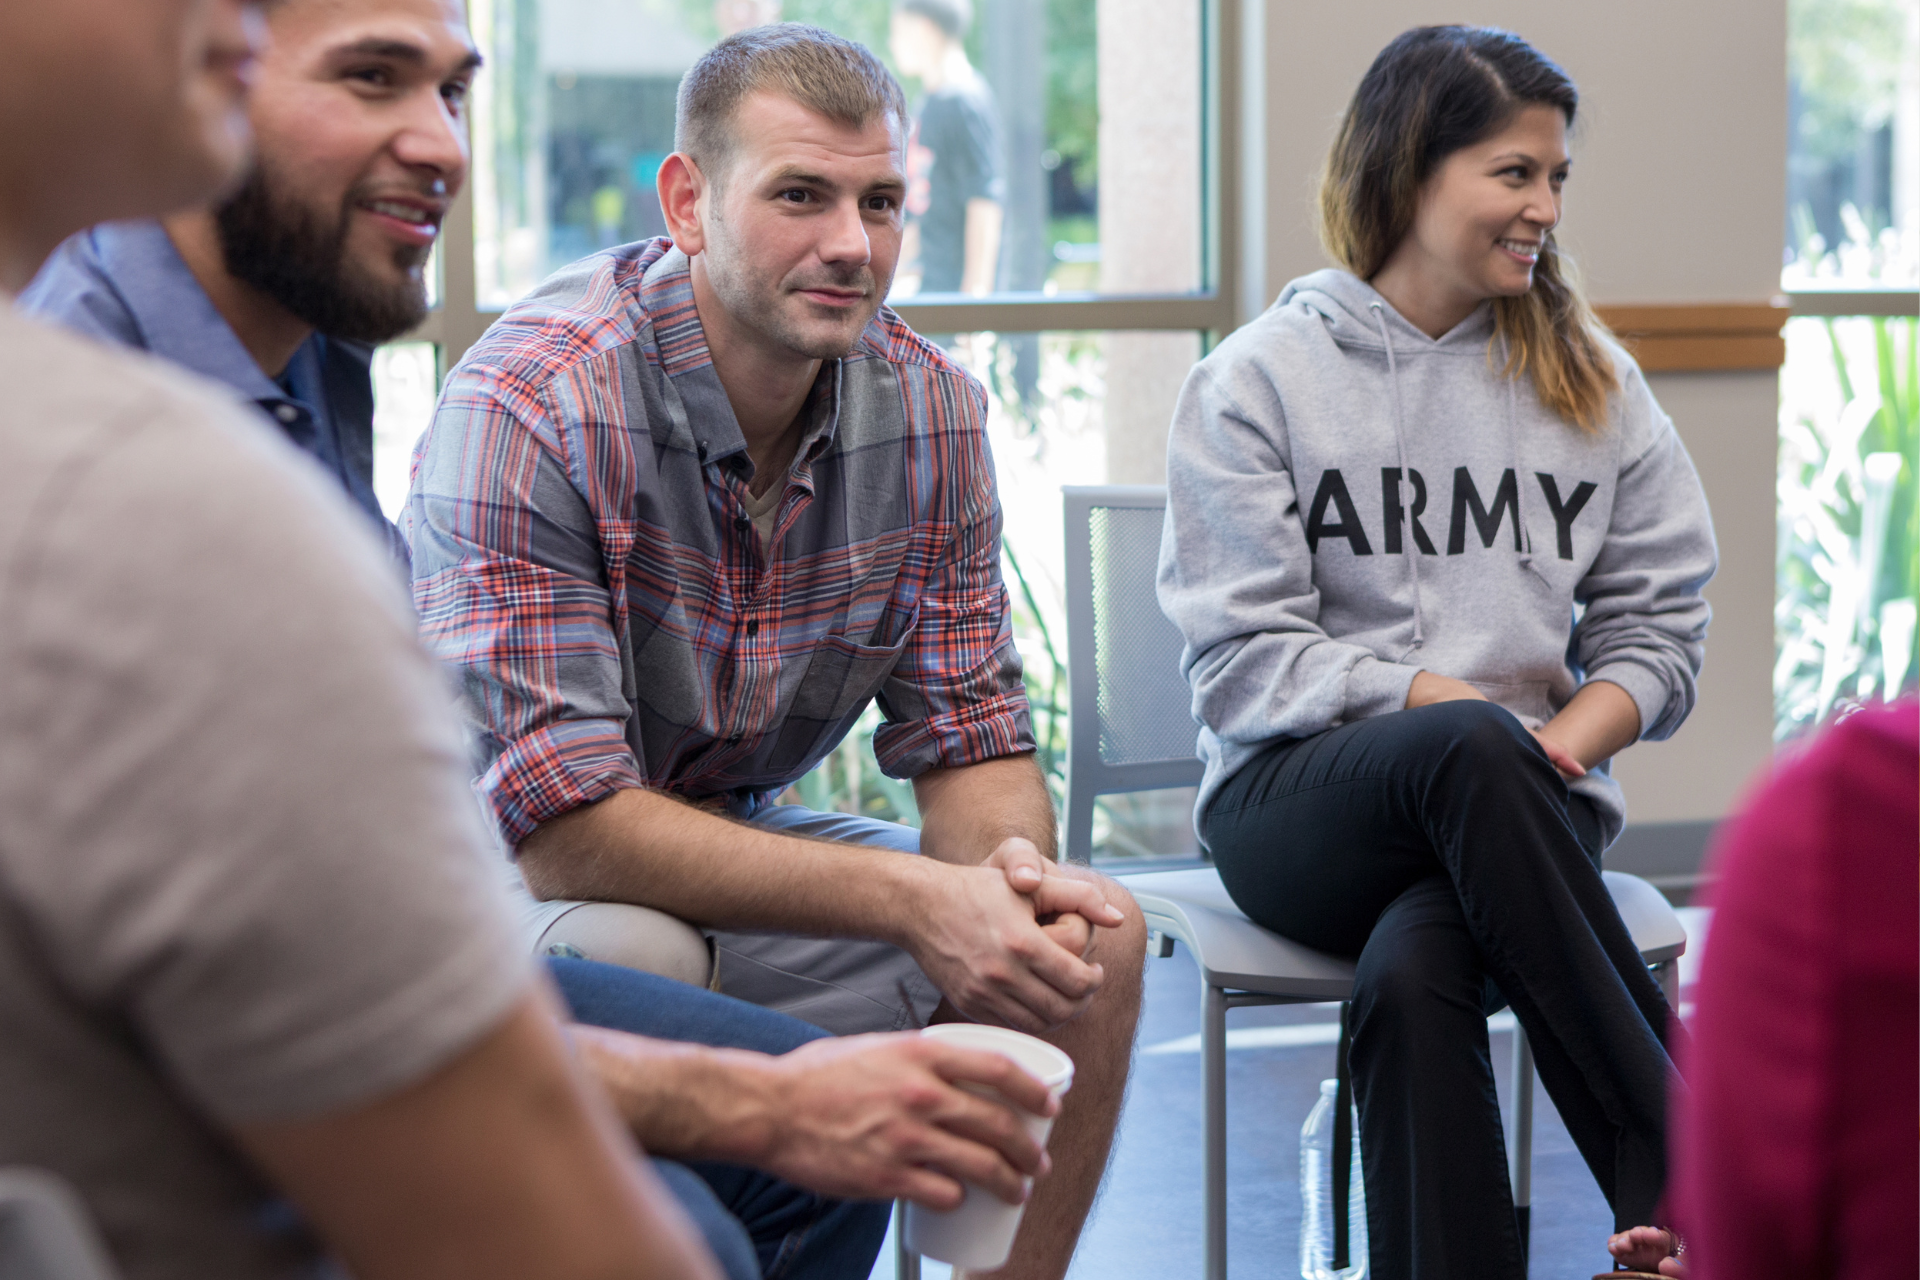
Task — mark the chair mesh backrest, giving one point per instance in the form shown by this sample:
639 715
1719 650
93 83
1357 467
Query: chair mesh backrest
1145 706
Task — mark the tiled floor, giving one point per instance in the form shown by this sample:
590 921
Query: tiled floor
1148 1224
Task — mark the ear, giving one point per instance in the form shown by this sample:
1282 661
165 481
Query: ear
681 185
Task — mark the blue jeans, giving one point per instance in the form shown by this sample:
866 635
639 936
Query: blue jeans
759 1227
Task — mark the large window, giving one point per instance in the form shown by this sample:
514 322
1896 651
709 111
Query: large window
1853 149
1848 555
1074 249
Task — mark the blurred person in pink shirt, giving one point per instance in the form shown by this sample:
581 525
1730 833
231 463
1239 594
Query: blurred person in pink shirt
1798 1154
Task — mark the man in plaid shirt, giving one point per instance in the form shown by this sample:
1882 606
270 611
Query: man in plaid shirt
681 515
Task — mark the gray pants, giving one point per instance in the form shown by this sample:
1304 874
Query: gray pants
842 985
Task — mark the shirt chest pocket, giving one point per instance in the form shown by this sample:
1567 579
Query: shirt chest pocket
843 675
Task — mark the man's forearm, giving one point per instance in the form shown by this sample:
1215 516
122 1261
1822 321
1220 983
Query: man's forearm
965 813
649 849
683 1101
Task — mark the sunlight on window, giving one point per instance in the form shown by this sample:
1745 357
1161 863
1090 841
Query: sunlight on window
1853 159
405 383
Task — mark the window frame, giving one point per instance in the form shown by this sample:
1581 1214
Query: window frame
1837 303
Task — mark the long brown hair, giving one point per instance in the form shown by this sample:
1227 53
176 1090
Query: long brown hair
1430 93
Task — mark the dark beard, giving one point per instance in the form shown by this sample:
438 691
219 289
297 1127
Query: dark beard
289 254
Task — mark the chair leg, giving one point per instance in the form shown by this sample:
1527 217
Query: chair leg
1213 1070
906 1263
1520 1138
1079 824
1341 1166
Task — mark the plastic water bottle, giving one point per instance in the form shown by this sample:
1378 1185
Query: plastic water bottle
1316 1196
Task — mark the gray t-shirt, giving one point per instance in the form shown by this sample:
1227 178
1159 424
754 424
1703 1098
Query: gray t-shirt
241 875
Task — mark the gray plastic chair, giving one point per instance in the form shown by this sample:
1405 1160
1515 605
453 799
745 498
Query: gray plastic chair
1132 729
45 1233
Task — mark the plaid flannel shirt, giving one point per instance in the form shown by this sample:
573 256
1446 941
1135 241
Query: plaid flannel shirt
584 559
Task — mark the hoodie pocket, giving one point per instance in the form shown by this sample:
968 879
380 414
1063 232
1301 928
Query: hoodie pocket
1530 701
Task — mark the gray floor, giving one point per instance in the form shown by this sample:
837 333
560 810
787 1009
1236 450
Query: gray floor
1147 1223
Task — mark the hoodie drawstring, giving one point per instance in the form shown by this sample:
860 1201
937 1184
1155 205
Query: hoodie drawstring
1406 473
1513 458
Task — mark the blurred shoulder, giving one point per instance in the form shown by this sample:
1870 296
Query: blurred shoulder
124 445
67 393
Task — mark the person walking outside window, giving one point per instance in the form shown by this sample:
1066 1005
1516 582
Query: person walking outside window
958 196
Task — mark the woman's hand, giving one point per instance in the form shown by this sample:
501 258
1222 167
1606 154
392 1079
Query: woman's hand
1428 688
1563 760
1598 721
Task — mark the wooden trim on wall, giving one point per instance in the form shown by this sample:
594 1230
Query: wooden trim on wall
1689 337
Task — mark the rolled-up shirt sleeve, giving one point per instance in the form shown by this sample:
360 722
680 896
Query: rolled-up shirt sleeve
511 586
956 696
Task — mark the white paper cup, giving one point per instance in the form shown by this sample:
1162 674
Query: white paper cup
979 1234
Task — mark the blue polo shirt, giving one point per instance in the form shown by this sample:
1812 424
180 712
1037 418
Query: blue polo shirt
124 282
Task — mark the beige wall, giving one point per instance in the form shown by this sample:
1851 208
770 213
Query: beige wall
1727 420
1677 193
1679 180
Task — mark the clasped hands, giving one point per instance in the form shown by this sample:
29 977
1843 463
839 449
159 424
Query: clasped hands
1009 941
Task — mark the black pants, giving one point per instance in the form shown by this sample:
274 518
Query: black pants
1441 848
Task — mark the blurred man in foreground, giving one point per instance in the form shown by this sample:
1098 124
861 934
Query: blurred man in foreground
247 947
1795 1154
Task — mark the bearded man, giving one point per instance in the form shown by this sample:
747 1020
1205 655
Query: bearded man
282 290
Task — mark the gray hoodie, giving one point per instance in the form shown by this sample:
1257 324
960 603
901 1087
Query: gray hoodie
1350 502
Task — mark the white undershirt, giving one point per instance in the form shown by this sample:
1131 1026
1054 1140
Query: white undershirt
762 511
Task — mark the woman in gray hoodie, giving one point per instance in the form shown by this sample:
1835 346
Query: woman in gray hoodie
1437 555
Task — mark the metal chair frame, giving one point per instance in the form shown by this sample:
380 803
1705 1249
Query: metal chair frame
1243 965
1089 776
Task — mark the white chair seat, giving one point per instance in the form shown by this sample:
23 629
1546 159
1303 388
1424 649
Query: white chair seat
1650 919
1233 951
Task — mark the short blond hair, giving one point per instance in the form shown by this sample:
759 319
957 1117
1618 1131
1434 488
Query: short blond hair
823 72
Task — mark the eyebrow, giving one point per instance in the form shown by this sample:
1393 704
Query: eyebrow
400 51
1528 157
793 173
